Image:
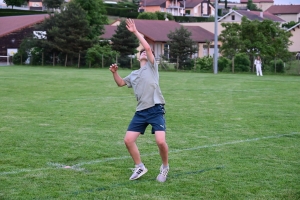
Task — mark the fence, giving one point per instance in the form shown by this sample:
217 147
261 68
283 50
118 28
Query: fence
7 60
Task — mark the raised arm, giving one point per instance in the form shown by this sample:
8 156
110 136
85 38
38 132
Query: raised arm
132 28
114 69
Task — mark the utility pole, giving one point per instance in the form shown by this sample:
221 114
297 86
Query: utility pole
216 39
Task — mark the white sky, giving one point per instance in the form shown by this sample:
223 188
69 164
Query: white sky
286 2
278 2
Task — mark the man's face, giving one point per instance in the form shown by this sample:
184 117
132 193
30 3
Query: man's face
143 56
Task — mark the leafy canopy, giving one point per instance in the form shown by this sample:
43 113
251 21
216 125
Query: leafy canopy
13 3
124 41
181 46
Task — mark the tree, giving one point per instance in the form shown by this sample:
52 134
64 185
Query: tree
277 40
264 38
100 54
231 41
68 31
13 3
252 37
289 24
53 3
252 6
96 15
124 41
181 46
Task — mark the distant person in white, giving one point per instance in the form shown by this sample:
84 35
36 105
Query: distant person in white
257 64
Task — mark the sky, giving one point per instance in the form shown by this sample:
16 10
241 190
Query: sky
278 2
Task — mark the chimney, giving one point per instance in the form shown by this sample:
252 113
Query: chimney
261 14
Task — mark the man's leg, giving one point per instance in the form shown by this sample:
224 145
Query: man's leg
160 137
140 169
129 140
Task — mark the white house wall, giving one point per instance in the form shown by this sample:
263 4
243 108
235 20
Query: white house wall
295 47
237 18
290 17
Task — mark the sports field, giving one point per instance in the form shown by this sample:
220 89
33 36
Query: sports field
230 136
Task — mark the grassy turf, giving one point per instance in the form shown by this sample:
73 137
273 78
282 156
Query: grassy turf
230 136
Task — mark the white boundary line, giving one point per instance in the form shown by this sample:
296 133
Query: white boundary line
77 167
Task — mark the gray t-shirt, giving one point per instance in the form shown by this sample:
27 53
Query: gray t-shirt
145 84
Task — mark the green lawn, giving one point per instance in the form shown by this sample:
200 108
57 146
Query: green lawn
231 136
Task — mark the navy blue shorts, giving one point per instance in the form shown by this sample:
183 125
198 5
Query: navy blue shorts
154 116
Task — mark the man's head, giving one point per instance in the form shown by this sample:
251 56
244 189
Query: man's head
143 54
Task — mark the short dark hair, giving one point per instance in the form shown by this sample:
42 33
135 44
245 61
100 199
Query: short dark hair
145 50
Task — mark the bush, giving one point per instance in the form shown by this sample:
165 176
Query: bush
279 66
147 15
241 63
163 15
17 58
193 19
204 64
223 63
188 64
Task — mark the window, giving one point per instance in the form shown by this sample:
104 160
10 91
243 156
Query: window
166 51
232 17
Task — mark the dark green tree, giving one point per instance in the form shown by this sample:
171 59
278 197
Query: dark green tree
252 6
289 24
181 46
252 37
68 32
101 55
53 3
231 41
13 3
124 41
276 41
96 15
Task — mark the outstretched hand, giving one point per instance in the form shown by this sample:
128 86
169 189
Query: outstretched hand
113 68
130 25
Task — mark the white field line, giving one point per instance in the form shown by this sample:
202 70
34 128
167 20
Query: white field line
78 168
97 98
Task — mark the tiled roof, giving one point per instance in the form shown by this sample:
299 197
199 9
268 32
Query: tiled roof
108 31
14 23
284 9
192 3
158 30
256 15
162 3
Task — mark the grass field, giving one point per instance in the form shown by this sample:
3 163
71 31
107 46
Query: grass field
231 136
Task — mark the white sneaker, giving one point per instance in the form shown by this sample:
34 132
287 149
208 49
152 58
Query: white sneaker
162 176
138 172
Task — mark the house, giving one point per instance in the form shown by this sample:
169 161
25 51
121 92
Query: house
236 16
14 29
35 4
158 39
179 7
261 4
199 8
286 12
295 38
